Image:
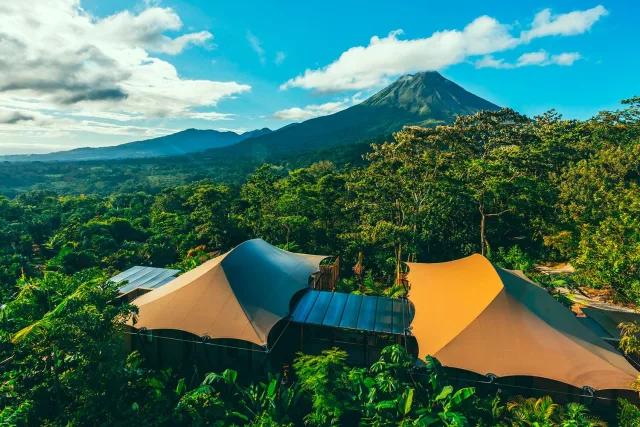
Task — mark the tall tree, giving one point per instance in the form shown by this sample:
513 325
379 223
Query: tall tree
502 169
404 199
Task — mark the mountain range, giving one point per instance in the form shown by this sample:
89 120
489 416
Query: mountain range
175 144
425 99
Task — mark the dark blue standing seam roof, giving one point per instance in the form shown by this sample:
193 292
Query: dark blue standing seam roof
304 306
319 309
384 315
335 309
400 311
367 315
351 311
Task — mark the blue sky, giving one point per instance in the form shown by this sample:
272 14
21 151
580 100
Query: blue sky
97 72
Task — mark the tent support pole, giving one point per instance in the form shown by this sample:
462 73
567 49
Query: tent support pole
366 348
301 337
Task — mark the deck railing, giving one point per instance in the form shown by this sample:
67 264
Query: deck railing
327 277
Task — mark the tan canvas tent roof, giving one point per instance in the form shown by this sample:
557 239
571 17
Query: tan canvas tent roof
241 294
473 316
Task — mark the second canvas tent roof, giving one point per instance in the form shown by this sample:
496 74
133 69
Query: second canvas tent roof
241 294
473 316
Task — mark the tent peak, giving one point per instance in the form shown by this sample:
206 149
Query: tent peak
260 247
477 257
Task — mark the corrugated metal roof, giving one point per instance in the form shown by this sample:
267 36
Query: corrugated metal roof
144 277
351 311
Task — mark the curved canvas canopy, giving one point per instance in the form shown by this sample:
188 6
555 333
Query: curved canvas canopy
241 294
473 316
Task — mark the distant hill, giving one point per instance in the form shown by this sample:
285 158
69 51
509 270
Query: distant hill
425 98
176 144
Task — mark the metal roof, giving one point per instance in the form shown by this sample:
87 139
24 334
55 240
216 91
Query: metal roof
144 277
352 311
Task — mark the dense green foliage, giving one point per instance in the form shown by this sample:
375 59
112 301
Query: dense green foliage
153 174
521 190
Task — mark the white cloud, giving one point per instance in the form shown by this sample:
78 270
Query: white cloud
298 114
54 125
211 116
533 58
9 117
279 58
489 61
256 45
566 58
317 110
147 30
566 24
539 58
363 67
55 56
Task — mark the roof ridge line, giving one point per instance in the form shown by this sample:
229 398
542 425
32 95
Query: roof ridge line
249 318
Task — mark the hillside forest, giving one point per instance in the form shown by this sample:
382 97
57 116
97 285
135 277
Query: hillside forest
523 191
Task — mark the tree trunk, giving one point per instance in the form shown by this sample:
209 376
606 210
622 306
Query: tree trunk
398 261
483 241
288 232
